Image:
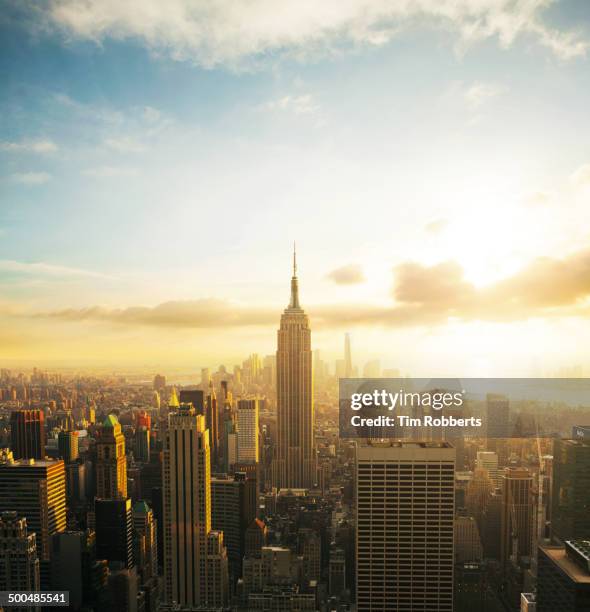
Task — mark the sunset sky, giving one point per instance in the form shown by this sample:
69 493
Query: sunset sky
430 158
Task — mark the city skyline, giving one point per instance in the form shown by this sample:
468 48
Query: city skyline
153 178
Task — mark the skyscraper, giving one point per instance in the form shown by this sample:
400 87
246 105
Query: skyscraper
294 463
405 526
114 531
195 560
37 491
570 514
27 434
111 464
518 514
67 442
347 357
563 581
19 566
248 431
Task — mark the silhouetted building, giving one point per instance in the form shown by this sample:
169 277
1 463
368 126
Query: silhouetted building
563 581
570 512
114 531
27 434
19 566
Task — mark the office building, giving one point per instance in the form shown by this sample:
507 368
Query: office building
405 525
248 431
19 565
67 443
294 465
195 559
488 460
111 463
563 579
497 416
145 553
517 521
36 490
570 508
142 444
27 434
114 531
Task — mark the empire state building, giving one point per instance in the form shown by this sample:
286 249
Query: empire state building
295 463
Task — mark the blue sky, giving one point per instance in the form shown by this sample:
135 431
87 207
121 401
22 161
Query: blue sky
152 156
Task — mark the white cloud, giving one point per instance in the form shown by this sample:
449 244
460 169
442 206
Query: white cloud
31 178
29 146
479 93
299 105
41 268
110 172
125 144
213 32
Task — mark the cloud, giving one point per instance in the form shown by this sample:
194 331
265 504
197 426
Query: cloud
205 313
125 144
299 105
110 172
479 93
347 275
581 176
31 178
41 268
421 296
224 32
29 146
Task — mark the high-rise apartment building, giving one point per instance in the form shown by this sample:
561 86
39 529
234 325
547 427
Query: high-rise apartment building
248 431
570 511
195 559
405 526
27 434
294 465
111 463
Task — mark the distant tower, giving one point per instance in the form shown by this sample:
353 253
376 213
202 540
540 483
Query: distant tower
27 434
294 463
347 357
111 464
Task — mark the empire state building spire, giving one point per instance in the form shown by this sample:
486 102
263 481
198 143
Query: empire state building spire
294 303
294 463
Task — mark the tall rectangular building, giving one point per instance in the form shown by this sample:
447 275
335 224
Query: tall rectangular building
195 560
517 520
248 431
111 462
570 508
37 491
294 465
405 526
27 434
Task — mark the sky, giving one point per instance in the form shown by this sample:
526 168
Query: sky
430 159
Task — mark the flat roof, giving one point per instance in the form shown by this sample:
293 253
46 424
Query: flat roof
558 555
